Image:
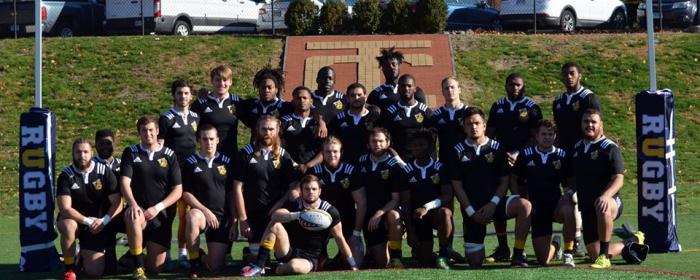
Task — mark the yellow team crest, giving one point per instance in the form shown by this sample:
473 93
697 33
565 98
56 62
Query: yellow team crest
276 163
222 170
98 185
345 182
163 162
556 164
489 157
419 118
594 155
436 179
338 105
231 109
576 106
385 174
524 116
194 126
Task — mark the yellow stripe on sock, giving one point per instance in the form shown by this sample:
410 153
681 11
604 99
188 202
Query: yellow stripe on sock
394 244
519 244
267 244
136 251
193 255
569 245
68 260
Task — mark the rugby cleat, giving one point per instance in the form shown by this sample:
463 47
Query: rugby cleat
500 254
139 274
455 256
601 262
69 275
252 270
395 263
569 260
442 263
519 261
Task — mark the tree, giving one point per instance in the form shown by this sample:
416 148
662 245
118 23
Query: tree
397 17
431 16
367 15
334 17
301 17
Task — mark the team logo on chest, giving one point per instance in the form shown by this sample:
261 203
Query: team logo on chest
222 170
231 109
163 162
385 174
435 178
194 126
594 155
556 164
345 183
524 116
576 106
98 185
489 157
276 163
338 105
419 118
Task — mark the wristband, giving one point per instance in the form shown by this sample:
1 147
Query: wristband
357 233
106 219
495 199
351 261
433 204
470 211
87 221
160 206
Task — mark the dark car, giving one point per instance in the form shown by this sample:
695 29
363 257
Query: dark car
471 14
672 12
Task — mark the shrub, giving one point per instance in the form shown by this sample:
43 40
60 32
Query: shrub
396 17
367 15
334 17
431 16
301 18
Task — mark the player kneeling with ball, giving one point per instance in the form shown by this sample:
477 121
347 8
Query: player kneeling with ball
297 232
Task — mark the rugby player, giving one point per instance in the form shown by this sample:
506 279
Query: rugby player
299 130
269 83
150 183
381 173
263 174
104 145
87 198
328 101
295 247
480 180
206 177
427 187
540 169
353 125
388 93
177 127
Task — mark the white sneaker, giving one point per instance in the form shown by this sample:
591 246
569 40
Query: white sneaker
569 260
557 246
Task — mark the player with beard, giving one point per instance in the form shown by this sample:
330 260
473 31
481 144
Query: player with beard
206 180
540 170
221 109
263 174
353 125
295 247
567 109
480 180
87 199
427 187
343 188
381 174
512 121
150 183
299 130
388 93
405 116
177 128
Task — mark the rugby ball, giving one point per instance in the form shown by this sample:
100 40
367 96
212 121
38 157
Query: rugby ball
315 219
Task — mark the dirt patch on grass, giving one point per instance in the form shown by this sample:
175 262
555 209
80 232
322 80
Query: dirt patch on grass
508 63
469 89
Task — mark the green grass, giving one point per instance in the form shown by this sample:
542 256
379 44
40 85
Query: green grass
91 83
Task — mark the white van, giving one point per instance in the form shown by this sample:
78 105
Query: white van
183 17
567 15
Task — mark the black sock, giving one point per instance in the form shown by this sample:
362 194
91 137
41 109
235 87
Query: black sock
502 240
263 257
395 254
604 248
444 249
517 252
70 267
139 261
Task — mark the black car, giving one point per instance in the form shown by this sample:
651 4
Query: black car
471 14
673 12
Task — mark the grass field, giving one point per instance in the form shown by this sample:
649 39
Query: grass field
91 83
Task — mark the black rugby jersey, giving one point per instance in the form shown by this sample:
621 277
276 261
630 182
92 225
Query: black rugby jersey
115 165
479 168
594 163
380 180
353 131
337 185
265 179
402 121
153 174
329 106
179 132
387 94
424 182
542 172
254 109
299 135
450 129
89 192
209 181
224 115
568 109
309 241
513 121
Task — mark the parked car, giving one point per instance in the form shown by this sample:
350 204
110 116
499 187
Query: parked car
281 6
64 18
471 14
566 15
672 12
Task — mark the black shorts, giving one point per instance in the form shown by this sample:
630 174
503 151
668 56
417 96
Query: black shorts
590 222
378 236
424 227
95 242
475 232
159 230
347 219
297 253
219 235
543 212
258 221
